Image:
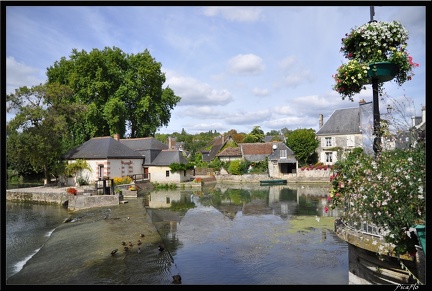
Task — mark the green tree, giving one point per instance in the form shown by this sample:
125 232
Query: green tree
36 134
256 135
303 143
124 92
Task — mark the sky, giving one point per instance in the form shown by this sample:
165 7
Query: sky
234 67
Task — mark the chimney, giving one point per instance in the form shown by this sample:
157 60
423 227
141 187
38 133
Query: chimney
116 136
171 143
320 121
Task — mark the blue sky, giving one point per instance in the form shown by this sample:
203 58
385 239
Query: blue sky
235 67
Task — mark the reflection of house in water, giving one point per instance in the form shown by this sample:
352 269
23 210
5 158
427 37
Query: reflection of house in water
163 198
279 200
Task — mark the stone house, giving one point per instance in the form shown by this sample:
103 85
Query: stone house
344 131
140 158
351 128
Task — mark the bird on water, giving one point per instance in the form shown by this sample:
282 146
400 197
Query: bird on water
114 252
161 247
177 279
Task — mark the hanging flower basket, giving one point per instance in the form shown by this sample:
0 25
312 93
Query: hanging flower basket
382 71
376 49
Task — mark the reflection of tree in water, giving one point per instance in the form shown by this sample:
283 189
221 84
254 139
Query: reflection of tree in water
232 196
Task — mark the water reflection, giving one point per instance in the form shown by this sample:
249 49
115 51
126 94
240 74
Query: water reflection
280 200
239 234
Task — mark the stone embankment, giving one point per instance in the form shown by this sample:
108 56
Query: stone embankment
59 196
316 176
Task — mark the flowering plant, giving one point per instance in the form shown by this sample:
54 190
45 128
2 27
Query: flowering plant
388 191
72 191
350 79
375 41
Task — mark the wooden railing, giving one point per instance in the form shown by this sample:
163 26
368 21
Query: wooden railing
140 177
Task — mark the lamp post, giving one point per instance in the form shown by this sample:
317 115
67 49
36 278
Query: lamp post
376 118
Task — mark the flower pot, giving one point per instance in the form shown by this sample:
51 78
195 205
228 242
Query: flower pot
383 71
421 235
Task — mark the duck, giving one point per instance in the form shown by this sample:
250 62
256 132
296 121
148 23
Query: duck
139 242
123 243
130 244
113 252
139 250
125 249
161 247
142 235
176 279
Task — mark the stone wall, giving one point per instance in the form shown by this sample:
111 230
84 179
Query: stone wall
60 197
39 197
311 176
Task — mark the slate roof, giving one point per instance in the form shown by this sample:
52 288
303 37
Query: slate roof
290 158
102 148
165 158
144 144
342 121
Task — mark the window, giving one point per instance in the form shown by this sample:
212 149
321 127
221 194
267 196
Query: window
329 157
350 140
101 171
168 200
328 141
283 153
167 173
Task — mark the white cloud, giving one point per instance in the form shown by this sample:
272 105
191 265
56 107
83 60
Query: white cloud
234 67
19 75
246 64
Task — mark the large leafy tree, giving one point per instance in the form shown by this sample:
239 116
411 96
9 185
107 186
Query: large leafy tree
124 92
256 135
303 143
36 135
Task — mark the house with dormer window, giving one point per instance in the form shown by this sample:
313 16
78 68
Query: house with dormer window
346 129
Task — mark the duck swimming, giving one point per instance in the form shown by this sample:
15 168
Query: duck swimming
114 252
161 247
176 279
